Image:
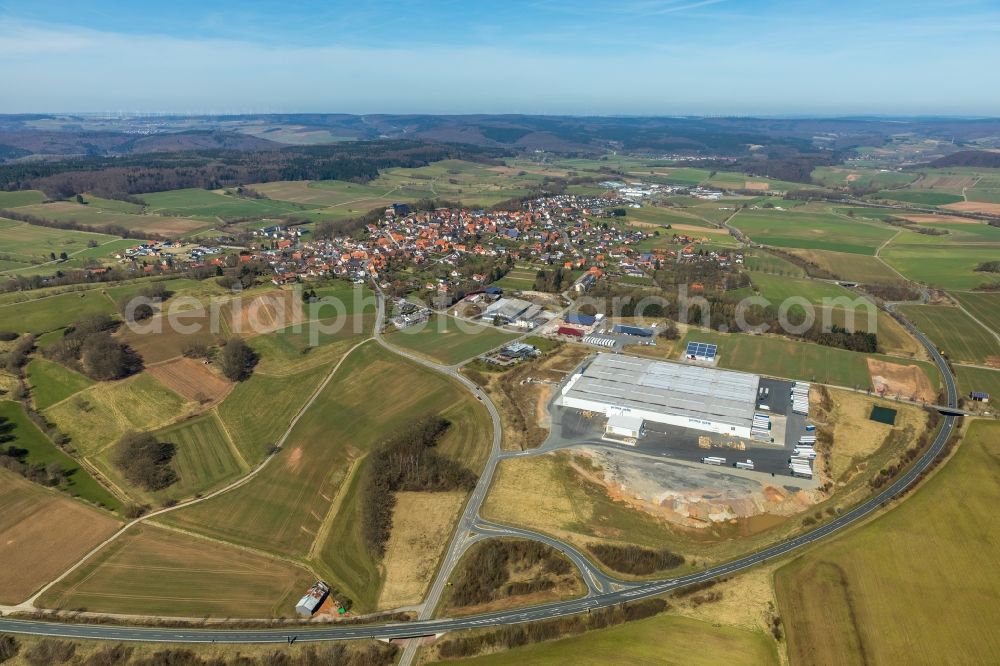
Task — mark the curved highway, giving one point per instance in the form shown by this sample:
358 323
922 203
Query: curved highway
469 526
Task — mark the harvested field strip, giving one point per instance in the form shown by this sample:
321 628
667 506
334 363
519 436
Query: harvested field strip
192 379
41 535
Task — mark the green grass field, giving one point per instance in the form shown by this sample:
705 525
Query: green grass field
957 232
519 278
155 571
196 202
764 262
258 410
916 576
779 288
70 211
987 195
470 183
949 267
796 360
281 510
449 341
96 417
21 198
812 230
29 244
851 267
984 306
344 557
52 382
664 216
919 197
50 313
954 332
26 435
665 640
978 379
204 457
865 178
114 205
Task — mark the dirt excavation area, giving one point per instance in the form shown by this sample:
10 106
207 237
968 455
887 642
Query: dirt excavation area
906 381
689 495
849 438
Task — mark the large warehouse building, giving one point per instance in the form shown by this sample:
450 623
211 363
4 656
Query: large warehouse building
696 397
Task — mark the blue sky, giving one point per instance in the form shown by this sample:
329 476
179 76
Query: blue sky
543 56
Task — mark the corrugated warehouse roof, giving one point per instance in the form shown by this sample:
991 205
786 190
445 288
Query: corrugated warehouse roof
722 396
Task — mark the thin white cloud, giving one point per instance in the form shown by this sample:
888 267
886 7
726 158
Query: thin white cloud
65 68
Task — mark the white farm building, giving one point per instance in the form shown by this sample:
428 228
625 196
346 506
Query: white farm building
709 399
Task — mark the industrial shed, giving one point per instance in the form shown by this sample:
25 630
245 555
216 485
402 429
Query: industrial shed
708 399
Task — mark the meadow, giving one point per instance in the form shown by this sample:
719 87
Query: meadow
156 571
70 211
52 382
41 534
954 230
984 306
954 332
204 457
519 278
914 576
662 216
791 359
470 183
986 380
208 204
21 198
282 509
97 417
837 306
448 341
854 267
77 482
837 177
948 267
258 410
919 197
28 243
669 640
812 230
53 312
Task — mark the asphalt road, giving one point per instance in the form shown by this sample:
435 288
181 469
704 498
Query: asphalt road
424 627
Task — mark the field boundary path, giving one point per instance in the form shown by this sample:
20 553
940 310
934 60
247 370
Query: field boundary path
29 604
424 626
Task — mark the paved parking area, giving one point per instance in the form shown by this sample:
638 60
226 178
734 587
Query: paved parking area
573 427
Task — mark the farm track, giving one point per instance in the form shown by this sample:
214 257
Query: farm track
29 604
465 534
